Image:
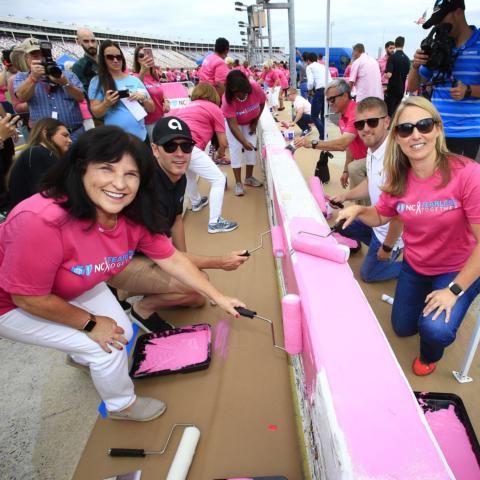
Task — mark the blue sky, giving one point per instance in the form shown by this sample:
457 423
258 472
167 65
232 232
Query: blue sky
371 22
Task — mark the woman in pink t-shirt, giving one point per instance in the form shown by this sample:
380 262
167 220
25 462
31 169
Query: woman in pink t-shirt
436 194
144 69
242 105
272 81
97 209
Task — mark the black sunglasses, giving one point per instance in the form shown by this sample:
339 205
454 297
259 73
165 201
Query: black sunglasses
371 122
332 99
172 146
111 57
425 125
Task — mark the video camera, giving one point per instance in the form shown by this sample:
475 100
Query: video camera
439 48
50 65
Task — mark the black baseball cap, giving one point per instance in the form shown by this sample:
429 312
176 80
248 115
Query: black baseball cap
170 128
441 9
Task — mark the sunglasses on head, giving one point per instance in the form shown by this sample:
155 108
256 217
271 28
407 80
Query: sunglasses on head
371 122
172 146
425 125
333 98
111 57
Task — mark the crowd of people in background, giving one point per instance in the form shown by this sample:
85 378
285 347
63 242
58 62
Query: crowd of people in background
107 164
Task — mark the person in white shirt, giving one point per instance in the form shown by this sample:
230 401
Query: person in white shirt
316 87
384 243
302 111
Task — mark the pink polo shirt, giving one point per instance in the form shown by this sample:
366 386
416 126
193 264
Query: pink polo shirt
436 221
214 70
270 77
282 77
357 147
204 119
247 110
365 74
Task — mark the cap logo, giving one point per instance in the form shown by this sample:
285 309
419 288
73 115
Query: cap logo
174 124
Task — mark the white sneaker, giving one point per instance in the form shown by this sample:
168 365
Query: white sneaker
239 190
196 207
253 182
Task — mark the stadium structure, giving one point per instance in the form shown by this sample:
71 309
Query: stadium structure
167 53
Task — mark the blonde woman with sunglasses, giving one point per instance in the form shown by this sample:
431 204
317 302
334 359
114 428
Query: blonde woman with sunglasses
436 194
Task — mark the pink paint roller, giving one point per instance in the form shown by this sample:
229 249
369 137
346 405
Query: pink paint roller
183 457
320 246
278 245
292 323
319 195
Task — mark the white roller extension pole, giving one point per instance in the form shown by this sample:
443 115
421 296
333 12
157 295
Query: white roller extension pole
387 298
184 456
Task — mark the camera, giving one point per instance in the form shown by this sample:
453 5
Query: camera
438 46
7 62
51 67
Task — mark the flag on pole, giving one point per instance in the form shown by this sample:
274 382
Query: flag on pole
422 19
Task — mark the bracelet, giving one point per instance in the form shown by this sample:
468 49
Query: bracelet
386 248
32 79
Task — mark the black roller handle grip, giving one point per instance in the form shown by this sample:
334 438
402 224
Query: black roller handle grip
126 452
246 253
338 226
245 312
333 203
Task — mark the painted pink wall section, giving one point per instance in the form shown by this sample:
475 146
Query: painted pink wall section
385 433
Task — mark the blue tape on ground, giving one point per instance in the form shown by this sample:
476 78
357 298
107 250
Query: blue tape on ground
102 410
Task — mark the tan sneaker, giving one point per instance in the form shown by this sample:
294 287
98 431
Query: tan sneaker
144 409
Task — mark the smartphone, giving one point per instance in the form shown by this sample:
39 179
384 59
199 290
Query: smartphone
123 93
148 52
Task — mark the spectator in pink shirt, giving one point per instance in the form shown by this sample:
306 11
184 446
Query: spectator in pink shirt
214 70
382 62
283 84
436 194
365 75
272 81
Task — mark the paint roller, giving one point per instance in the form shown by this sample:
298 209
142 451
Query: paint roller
183 457
316 244
292 323
278 246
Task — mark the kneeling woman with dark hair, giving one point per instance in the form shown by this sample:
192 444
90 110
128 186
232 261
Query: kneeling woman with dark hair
97 207
48 141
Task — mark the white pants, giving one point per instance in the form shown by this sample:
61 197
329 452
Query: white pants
202 165
109 371
236 155
272 96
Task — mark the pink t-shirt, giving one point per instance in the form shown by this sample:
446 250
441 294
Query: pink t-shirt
357 147
43 250
154 88
437 234
247 110
170 75
204 118
214 70
270 77
382 63
282 77
365 74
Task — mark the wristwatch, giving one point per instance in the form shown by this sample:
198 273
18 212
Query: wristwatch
456 289
90 325
468 91
386 248
314 143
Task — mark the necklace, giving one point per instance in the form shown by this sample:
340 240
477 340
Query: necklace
243 99
103 229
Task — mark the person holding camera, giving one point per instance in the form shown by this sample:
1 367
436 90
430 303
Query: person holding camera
113 84
449 59
48 91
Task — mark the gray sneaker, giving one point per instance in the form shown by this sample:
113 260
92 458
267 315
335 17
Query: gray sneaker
239 190
144 409
253 182
222 225
196 207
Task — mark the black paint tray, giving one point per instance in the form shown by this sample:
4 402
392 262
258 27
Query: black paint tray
179 350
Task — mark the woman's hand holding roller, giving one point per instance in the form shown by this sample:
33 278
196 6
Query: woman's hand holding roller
349 214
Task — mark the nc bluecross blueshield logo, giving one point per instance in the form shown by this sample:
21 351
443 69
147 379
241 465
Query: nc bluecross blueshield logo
108 263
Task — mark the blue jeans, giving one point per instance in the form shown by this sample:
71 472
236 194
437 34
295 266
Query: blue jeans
372 269
407 317
304 121
318 110
303 89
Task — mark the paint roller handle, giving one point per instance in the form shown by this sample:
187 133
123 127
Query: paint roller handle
245 312
338 226
246 253
335 204
126 452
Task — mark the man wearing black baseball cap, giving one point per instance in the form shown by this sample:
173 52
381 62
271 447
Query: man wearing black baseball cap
172 147
461 117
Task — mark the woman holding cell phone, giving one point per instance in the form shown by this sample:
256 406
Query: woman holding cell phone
144 69
436 194
113 83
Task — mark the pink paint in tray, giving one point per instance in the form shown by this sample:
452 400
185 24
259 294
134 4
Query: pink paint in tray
180 350
449 422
